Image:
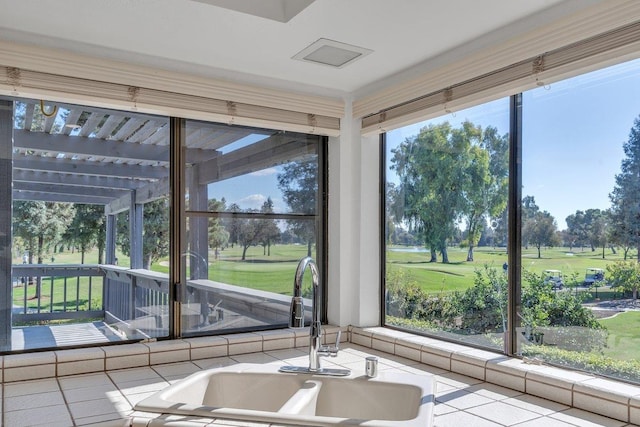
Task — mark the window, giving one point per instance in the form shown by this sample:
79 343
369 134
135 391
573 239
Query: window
577 186
580 157
89 205
446 236
254 209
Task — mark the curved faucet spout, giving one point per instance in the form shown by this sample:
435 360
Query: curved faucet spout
296 313
296 320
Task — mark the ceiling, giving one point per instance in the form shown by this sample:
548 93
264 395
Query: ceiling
252 45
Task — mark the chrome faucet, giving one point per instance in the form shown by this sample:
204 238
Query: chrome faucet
296 321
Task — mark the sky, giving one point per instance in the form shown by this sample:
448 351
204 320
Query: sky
251 191
573 133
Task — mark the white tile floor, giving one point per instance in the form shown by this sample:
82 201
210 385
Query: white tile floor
107 398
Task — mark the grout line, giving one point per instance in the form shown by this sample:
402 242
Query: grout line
64 399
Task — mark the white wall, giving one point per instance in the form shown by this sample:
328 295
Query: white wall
354 257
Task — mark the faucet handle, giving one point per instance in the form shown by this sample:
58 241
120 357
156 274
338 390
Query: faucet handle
331 351
337 346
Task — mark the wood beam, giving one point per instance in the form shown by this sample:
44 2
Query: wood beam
96 147
143 195
69 189
273 151
89 146
82 180
83 167
62 198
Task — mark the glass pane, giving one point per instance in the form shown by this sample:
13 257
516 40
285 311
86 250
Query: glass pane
579 222
253 209
239 169
89 236
446 199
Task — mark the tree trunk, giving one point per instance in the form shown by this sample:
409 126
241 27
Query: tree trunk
244 252
613 250
539 254
603 251
309 248
434 255
445 255
269 249
82 256
470 253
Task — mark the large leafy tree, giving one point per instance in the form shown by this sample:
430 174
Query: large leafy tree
430 166
449 175
298 182
625 197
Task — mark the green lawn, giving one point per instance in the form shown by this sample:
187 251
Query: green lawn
459 274
272 273
624 335
77 291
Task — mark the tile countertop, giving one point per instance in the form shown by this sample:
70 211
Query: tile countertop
106 397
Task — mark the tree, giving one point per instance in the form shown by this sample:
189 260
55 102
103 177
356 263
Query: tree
577 229
540 230
487 191
598 229
155 235
249 232
270 231
625 275
40 225
88 229
298 182
232 224
432 170
625 197
218 235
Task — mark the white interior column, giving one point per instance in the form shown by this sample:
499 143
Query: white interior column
354 261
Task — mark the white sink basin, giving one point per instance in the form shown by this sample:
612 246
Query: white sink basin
261 393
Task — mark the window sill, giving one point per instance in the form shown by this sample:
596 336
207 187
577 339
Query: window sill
580 390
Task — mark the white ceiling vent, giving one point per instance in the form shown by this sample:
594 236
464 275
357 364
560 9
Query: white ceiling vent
331 53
